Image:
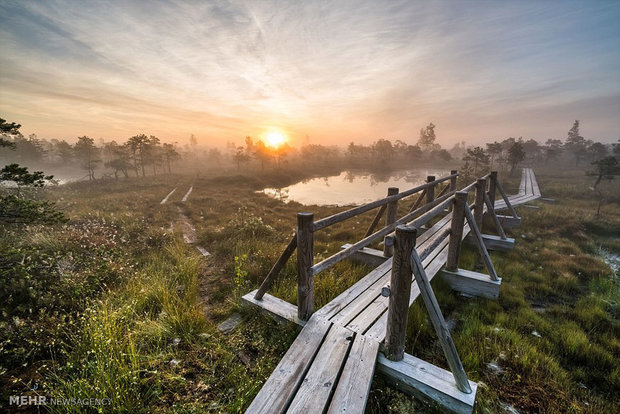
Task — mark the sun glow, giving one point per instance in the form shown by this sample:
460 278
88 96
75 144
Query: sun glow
275 139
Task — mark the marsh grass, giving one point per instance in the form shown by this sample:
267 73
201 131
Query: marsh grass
141 328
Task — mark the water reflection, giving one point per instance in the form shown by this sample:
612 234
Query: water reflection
350 187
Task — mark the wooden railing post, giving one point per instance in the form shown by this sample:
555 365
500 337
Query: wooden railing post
456 231
390 218
453 180
305 258
453 185
430 194
481 185
492 187
400 290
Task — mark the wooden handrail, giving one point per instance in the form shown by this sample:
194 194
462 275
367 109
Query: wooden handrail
439 205
344 215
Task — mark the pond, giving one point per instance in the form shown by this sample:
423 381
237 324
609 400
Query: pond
351 187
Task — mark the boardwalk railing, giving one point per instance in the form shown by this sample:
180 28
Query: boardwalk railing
428 205
329 367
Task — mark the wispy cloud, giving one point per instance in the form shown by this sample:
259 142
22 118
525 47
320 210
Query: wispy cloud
333 70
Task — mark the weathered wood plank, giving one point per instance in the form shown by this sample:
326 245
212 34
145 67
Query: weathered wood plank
427 382
346 297
354 384
274 306
472 283
357 305
281 386
317 385
367 255
480 243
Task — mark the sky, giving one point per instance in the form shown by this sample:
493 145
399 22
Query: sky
323 72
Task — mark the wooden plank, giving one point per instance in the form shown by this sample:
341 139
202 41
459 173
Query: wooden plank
472 283
378 329
354 384
355 307
427 382
274 306
367 255
346 297
509 222
316 388
492 242
281 386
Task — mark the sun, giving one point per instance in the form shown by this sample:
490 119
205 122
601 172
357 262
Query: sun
275 139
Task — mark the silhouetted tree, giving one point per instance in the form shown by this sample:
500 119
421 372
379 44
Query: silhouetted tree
427 138
494 150
170 155
88 154
516 154
138 146
478 159
576 144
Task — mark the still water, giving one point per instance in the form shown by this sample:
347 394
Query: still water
351 187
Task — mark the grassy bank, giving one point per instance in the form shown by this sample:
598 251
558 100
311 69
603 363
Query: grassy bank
127 311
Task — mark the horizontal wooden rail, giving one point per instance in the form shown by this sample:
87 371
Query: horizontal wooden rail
431 211
345 215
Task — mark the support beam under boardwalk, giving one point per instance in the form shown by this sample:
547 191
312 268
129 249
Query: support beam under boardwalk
509 222
472 283
494 243
367 255
428 382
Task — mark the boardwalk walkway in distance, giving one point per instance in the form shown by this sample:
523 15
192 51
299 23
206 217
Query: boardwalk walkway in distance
330 366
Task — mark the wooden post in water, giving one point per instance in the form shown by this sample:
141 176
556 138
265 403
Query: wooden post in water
456 231
305 258
400 290
492 187
390 218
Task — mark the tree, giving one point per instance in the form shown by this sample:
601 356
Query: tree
17 208
606 167
382 150
427 138
516 154
170 155
240 157
597 151
8 130
138 146
478 157
553 149
576 144
88 153
494 149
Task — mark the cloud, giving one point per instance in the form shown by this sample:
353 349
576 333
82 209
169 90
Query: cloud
333 70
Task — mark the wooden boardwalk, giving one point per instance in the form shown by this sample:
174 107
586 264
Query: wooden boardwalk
330 366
